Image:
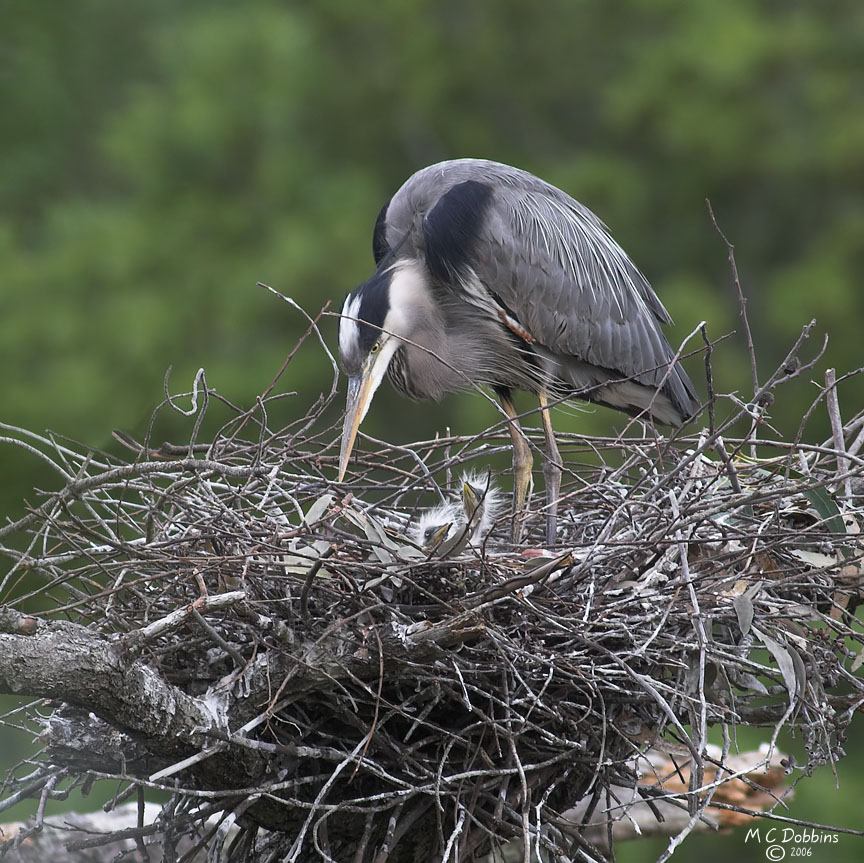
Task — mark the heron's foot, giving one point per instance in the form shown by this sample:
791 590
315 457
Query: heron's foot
521 498
552 474
523 461
551 529
518 526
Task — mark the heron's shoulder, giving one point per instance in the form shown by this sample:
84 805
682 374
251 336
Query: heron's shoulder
431 183
444 205
506 197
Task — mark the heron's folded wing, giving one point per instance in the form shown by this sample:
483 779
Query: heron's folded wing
551 262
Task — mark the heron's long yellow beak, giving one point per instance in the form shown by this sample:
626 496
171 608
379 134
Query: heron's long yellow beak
361 388
360 392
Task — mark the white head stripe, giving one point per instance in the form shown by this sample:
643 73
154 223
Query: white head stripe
349 330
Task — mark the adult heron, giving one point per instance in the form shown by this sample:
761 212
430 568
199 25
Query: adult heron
487 274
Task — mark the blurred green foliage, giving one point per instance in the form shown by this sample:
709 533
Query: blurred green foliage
157 159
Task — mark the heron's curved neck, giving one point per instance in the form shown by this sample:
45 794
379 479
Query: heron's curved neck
424 368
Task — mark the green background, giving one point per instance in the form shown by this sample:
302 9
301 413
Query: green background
157 159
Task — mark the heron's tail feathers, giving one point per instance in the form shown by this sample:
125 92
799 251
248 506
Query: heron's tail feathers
671 401
639 400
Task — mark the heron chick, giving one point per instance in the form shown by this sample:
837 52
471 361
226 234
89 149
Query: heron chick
478 507
487 274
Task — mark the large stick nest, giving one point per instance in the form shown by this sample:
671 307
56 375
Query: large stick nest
374 696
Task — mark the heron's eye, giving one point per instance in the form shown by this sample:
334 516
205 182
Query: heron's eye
375 348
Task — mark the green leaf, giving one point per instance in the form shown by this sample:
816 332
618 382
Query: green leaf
827 509
791 670
317 510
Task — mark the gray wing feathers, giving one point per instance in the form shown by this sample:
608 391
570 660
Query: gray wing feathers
572 286
555 266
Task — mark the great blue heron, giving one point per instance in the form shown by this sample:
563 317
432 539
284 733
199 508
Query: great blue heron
487 274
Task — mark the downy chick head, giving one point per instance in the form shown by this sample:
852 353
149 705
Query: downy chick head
474 511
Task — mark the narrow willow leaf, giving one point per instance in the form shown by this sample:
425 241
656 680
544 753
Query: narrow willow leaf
828 511
455 544
317 510
744 611
814 558
785 663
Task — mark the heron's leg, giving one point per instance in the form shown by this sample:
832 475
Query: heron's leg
523 461
551 471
